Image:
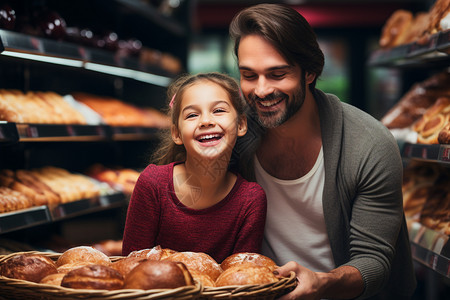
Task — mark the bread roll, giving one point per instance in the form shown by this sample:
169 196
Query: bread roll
250 259
242 275
444 135
109 247
154 253
93 277
125 265
155 274
27 266
395 29
53 279
199 262
83 254
66 268
202 278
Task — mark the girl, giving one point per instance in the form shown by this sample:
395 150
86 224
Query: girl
190 201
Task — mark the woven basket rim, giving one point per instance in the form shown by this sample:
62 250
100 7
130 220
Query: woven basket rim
19 287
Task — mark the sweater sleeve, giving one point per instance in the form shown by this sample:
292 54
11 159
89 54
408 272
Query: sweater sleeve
377 211
250 236
141 225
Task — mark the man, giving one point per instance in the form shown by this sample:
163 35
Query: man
332 173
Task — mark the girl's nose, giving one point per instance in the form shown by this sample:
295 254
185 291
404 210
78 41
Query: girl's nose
206 121
263 88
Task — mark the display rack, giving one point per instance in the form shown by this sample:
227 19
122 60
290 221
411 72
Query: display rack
34 216
432 50
432 153
14 132
28 47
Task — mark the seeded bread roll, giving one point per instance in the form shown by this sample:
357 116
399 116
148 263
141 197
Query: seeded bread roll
248 259
27 266
156 274
198 262
242 275
83 254
93 277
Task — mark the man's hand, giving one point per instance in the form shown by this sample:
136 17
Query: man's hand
342 283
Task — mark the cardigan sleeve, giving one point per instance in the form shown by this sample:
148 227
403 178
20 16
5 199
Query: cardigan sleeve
374 185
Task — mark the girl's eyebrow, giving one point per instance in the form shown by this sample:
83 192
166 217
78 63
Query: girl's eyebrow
213 103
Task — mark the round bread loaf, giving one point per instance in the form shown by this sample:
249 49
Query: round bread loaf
27 266
242 275
198 262
93 277
125 265
156 274
53 279
83 254
247 258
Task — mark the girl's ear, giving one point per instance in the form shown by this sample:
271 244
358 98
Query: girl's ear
176 135
242 125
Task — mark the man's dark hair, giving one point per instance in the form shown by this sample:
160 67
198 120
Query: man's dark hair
286 30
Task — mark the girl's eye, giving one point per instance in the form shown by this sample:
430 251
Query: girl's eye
219 110
191 115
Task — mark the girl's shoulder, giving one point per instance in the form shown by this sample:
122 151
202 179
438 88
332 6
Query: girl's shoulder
156 172
249 187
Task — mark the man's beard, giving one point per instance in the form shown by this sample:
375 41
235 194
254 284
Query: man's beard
275 119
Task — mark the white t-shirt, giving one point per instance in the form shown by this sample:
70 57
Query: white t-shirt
295 226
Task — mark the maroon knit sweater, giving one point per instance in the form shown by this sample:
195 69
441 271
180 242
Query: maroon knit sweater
156 217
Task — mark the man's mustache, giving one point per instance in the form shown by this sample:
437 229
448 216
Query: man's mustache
270 97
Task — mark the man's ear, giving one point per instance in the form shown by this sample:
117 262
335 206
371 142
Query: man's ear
176 135
242 125
309 77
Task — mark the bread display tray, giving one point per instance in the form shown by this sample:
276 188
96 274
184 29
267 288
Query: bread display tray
21 289
265 291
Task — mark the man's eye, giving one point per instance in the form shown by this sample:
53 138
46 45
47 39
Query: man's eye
278 75
249 76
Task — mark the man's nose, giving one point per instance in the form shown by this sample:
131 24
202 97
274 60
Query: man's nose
263 88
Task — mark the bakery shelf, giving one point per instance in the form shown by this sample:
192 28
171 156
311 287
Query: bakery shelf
34 216
15 132
434 50
86 206
433 153
133 133
22 46
8 132
430 248
50 132
25 218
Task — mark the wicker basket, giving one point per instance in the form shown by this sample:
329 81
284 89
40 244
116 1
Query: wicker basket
22 289
263 292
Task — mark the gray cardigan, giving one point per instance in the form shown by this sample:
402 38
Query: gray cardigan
362 197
